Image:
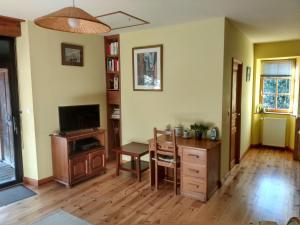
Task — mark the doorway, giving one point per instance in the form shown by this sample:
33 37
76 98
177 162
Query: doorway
11 171
235 112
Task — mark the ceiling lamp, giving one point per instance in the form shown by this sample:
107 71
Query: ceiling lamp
74 20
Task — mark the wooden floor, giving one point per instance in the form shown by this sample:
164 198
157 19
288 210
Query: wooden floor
266 186
7 173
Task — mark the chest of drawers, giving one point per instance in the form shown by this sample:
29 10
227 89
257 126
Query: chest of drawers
199 166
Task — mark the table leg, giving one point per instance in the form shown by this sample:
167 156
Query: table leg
132 162
118 164
138 168
152 169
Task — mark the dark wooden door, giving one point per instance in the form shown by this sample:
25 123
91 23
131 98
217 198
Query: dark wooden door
235 115
6 127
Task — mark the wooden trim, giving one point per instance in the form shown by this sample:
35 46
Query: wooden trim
161 67
239 99
37 183
10 27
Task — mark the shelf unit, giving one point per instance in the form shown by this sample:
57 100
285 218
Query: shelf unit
113 92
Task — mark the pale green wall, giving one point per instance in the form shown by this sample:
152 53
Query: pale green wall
192 78
237 46
54 84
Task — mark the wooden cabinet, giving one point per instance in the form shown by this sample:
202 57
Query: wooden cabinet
69 167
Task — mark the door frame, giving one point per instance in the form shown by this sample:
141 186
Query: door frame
239 105
15 108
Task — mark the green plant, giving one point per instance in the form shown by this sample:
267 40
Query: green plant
199 129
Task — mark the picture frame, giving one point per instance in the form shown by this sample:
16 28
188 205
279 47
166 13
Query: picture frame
71 55
248 73
147 63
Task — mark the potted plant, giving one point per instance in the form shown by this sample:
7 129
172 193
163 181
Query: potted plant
199 129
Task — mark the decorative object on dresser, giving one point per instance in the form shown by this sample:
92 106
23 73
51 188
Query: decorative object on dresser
165 156
136 165
199 166
147 68
200 130
71 55
113 90
78 156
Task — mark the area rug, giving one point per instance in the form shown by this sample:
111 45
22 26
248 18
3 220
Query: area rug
14 194
60 217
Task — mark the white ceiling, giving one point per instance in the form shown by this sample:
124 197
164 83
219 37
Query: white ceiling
260 20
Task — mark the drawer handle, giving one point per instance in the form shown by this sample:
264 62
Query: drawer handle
193 155
196 171
195 185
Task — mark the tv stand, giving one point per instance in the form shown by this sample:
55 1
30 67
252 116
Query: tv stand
70 166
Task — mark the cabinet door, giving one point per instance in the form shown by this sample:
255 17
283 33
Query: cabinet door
79 168
97 162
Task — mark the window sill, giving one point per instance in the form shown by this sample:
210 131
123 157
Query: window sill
275 113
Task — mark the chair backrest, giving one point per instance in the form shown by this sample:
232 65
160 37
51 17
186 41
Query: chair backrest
168 147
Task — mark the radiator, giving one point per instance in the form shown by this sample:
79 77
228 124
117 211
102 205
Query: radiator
273 132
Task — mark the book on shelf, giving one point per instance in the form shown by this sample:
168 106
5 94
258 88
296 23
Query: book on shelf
113 48
113 65
116 114
116 83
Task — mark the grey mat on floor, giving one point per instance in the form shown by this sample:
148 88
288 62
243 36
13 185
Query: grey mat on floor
60 217
14 194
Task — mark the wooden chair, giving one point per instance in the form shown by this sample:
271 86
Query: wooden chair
166 156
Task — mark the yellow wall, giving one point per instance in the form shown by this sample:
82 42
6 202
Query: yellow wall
239 47
192 79
268 51
54 85
29 152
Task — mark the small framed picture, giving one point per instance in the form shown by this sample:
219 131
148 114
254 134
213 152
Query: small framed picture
147 68
248 73
71 55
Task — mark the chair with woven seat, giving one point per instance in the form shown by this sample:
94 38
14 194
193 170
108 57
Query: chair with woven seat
165 155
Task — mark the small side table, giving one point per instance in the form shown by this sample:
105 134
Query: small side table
136 165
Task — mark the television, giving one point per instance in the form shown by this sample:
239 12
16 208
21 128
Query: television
80 117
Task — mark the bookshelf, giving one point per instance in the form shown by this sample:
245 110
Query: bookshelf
113 92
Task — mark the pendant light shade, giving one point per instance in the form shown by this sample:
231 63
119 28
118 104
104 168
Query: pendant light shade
74 20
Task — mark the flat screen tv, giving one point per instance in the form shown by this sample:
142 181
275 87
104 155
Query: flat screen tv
72 118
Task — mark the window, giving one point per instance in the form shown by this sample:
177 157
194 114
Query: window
277 85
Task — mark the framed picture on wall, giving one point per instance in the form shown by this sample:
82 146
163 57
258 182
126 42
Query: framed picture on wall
248 73
71 55
147 68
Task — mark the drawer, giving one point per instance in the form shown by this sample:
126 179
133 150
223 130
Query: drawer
193 170
190 155
193 185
